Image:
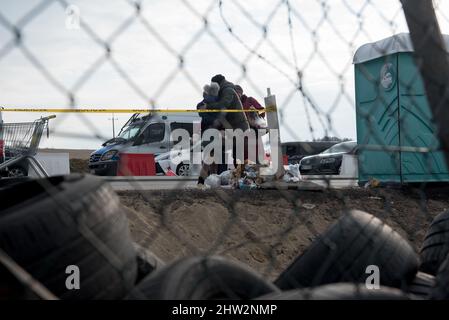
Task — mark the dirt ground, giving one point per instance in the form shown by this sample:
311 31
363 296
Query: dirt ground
79 166
266 229
73 153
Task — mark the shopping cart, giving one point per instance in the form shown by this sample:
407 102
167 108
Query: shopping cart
20 143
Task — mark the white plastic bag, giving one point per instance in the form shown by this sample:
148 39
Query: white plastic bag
225 177
293 169
292 174
213 181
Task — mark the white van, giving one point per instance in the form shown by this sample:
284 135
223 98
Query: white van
142 134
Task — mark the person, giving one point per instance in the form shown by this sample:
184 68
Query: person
229 100
254 118
210 95
248 102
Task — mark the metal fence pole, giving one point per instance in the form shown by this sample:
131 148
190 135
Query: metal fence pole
432 60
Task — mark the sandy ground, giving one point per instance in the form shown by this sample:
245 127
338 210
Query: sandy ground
266 229
79 166
73 153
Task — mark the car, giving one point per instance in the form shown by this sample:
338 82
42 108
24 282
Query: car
150 134
178 162
296 150
328 162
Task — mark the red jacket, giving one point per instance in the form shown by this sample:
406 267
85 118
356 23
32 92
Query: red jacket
249 102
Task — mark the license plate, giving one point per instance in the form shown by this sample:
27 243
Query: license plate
92 171
306 167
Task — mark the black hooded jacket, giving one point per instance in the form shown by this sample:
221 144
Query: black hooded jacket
229 100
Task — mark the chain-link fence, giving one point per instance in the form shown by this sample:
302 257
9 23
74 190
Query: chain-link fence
314 55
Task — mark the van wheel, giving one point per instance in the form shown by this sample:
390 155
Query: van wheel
183 170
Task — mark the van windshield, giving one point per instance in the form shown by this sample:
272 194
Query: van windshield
129 132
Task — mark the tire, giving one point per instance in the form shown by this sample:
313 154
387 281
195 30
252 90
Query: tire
147 262
9 182
339 291
202 278
343 253
436 244
421 286
441 289
69 220
183 170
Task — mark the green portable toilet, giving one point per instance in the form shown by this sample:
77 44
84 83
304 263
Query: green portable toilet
394 122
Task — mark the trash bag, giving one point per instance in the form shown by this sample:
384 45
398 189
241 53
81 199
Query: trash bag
289 178
250 171
293 169
292 174
245 184
213 181
225 177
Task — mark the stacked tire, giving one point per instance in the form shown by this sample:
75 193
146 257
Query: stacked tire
333 267
51 226
435 247
434 255
202 278
347 251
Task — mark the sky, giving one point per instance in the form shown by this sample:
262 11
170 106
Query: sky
319 43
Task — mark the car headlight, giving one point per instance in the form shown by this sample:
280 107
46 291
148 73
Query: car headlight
108 155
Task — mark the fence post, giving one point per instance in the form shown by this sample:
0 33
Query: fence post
432 60
275 138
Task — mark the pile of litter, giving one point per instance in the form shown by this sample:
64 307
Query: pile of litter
248 177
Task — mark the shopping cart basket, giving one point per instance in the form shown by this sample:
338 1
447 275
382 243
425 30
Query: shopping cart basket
21 141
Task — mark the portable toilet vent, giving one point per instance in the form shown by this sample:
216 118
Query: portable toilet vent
394 121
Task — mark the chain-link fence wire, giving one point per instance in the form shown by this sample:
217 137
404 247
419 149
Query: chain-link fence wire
292 63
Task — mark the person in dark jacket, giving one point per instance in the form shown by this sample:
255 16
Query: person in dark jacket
229 100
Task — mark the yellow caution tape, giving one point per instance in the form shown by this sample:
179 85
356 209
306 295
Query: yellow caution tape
73 110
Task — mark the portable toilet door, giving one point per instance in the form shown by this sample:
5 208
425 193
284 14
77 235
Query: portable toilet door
417 128
377 117
394 121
